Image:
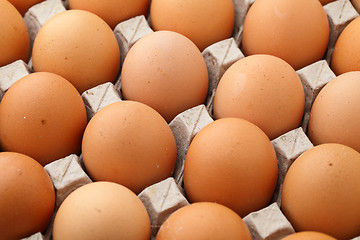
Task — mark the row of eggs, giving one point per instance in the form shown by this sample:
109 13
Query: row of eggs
153 50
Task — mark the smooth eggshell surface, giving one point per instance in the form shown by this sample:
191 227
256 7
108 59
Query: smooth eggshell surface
79 46
335 113
308 235
204 22
166 71
204 221
27 196
14 36
43 116
296 31
102 210
264 90
112 11
321 191
129 143
231 162
346 55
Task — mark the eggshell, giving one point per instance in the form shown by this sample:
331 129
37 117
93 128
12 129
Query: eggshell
23 5
309 235
204 22
79 46
102 210
335 113
321 191
27 196
296 31
346 55
129 143
264 90
203 221
231 162
324 2
43 116
113 11
14 36
166 71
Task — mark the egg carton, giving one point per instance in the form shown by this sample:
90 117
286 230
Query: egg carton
165 197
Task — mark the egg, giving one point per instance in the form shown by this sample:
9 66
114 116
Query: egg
204 22
14 36
324 2
79 46
264 90
296 31
166 71
309 235
346 54
203 221
27 196
113 11
23 5
232 162
335 113
321 191
129 143
43 116
101 210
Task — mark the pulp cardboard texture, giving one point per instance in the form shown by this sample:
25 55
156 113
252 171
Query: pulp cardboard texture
219 57
10 73
288 147
184 127
163 198
268 223
313 78
98 97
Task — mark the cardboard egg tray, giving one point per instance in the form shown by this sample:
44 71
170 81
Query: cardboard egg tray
163 198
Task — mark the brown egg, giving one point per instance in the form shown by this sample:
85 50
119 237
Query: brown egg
356 5
24 5
14 36
43 116
166 71
321 191
27 196
231 162
308 235
346 55
129 143
113 11
101 210
335 113
204 221
79 46
296 31
204 22
264 90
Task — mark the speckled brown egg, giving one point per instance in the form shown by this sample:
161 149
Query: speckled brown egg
102 210
43 116
321 191
204 221
129 143
166 71
27 196
203 21
79 46
264 90
113 11
296 31
346 55
335 113
232 162
14 36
